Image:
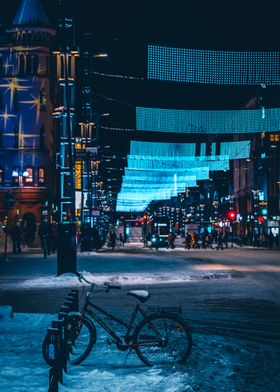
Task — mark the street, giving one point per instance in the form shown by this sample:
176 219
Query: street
235 291
230 299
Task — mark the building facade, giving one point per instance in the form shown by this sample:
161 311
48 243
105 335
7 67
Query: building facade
26 140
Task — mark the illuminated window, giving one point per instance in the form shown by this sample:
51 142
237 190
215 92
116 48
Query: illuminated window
27 177
274 137
41 176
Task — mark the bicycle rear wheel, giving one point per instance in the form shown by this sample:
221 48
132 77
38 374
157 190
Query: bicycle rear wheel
162 338
82 337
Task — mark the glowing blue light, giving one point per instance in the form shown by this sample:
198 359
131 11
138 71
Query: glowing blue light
207 121
222 163
166 150
213 67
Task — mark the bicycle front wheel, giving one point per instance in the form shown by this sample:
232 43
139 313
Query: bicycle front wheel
82 337
162 338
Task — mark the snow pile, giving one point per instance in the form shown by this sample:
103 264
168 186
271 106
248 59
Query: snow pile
215 364
139 278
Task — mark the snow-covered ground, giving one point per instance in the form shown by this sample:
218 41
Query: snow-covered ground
128 278
216 364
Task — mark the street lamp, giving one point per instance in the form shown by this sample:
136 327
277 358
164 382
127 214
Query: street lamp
18 175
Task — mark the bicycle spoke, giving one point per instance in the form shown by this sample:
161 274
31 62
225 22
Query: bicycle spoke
163 339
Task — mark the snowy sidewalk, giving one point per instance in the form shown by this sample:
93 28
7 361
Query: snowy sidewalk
215 364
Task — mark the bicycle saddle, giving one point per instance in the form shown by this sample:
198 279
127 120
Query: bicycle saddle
141 295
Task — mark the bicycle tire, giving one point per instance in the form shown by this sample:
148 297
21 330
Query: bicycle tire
73 325
87 347
154 344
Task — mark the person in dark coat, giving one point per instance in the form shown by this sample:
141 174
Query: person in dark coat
54 237
113 239
220 241
188 240
16 238
121 239
44 233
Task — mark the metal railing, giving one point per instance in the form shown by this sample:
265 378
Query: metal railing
56 347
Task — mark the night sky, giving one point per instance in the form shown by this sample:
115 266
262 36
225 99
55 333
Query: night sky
124 29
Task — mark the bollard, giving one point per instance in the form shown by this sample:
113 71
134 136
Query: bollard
70 304
74 303
66 332
75 295
52 354
53 381
59 324
64 309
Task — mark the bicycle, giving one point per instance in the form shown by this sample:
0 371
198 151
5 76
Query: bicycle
160 337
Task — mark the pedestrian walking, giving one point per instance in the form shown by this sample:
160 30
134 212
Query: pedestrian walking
121 239
44 233
271 240
188 241
225 239
16 238
112 239
220 241
169 241
277 240
54 237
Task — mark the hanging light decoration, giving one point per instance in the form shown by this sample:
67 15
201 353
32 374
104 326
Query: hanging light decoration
207 121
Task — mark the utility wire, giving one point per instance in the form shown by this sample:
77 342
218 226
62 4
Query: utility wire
118 76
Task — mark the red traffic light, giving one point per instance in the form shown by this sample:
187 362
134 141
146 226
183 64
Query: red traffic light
231 215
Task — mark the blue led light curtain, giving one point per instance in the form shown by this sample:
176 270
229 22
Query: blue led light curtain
158 171
222 163
212 66
200 173
165 150
207 121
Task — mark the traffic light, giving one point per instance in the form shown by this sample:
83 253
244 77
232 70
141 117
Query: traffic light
231 215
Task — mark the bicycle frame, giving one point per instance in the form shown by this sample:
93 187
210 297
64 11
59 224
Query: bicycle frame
128 326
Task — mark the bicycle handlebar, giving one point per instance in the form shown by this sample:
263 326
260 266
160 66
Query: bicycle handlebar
93 284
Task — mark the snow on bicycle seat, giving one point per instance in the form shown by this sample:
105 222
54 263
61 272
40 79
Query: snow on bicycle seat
141 295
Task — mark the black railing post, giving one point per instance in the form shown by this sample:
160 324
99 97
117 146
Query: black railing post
69 302
52 355
75 293
58 324
67 329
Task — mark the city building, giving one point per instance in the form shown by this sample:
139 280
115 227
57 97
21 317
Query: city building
26 139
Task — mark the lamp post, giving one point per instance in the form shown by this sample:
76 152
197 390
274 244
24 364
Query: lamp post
96 161
65 143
